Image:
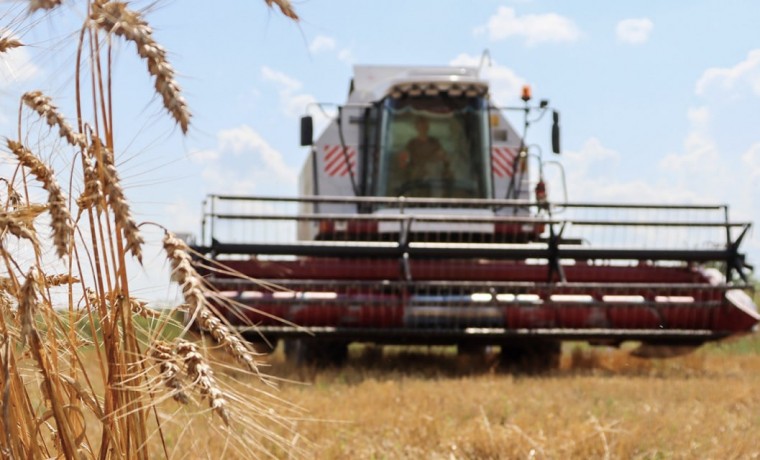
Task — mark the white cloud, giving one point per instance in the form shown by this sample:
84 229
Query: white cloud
592 151
244 139
346 55
294 102
505 83
321 43
634 31
593 175
203 156
243 162
534 28
728 78
284 81
589 171
699 116
700 155
183 216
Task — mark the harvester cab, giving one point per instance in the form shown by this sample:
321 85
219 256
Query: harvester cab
423 217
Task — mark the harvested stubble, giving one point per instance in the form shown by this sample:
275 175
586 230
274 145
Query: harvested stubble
89 370
418 405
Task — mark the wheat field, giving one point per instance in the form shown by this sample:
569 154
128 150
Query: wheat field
602 403
90 370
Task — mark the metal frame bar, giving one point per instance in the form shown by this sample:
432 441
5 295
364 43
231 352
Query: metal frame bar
487 335
553 250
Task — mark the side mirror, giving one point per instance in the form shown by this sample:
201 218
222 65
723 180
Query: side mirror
307 131
555 133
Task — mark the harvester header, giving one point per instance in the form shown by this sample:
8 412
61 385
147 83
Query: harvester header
425 217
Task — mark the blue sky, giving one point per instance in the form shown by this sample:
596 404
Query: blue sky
660 101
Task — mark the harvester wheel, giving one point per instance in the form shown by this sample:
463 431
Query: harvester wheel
313 352
532 358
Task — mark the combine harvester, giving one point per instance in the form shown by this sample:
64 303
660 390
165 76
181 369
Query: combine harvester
424 218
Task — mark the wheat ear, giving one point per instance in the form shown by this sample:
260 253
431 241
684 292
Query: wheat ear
203 377
7 43
285 7
27 304
60 280
116 18
194 292
118 202
163 354
92 195
61 222
35 5
43 105
16 227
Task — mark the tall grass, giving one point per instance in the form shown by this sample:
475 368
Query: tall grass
88 369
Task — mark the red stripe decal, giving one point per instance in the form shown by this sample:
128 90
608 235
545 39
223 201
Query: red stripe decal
335 160
502 165
330 151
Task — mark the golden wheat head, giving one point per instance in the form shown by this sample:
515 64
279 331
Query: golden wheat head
115 18
61 222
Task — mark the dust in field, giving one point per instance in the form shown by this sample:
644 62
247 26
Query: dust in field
601 403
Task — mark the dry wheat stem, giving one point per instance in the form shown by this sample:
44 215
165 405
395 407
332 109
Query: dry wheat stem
7 43
85 396
116 18
61 221
193 290
202 376
43 105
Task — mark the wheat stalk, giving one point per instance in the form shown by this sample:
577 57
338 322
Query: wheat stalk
203 377
61 222
43 105
85 396
116 18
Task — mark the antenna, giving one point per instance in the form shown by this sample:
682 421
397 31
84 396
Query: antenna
486 55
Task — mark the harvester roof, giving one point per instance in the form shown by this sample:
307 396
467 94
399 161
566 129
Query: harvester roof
372 83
